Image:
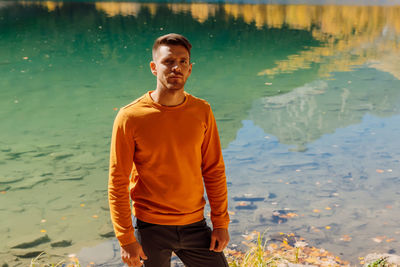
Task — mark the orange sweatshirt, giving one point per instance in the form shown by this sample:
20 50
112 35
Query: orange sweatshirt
160 156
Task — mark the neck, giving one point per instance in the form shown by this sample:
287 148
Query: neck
168 97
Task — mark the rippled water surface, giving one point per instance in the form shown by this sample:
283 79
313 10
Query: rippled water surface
306 97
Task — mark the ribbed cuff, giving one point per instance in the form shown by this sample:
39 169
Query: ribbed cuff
126 239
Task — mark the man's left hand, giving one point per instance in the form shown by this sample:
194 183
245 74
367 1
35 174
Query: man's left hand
219 239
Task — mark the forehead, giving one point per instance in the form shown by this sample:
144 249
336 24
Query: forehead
171 51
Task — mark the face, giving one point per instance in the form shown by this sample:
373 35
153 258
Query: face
171 64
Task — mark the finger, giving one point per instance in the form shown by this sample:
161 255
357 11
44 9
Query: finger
125 260
136 262
142 255
219 246
212 244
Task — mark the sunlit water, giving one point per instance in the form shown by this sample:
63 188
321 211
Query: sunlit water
306 97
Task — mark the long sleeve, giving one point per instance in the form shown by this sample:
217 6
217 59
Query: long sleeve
213 170
121 162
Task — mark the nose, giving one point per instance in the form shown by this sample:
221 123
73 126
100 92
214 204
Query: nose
176 67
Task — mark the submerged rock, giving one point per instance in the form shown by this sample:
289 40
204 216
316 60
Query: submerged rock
248 198
10 180
30 183
27 254
106 231
61 244
30 241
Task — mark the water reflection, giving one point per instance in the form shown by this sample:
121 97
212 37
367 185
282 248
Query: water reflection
320 107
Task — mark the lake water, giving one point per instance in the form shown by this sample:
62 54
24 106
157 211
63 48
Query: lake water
306 97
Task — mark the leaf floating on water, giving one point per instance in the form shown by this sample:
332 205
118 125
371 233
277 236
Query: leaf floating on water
3 192
327 227
390 240
268 83
316 210
328 208
25 58
346 238
82 205
63 218
389 170
380 171
43 231
43 221
115 109
95 216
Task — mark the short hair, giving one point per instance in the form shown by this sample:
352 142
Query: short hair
171 39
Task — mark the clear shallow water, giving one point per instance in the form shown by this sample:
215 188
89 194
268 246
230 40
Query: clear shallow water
306 99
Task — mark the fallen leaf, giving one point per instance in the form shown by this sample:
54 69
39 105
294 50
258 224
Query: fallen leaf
378 239
346 238
115 108
63 218
380 171
95 216
268 83
43 231
43 221
3 192
25 58
231 212
316 210
82 205
327 227
389 240
328 208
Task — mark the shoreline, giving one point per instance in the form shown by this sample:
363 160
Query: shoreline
282 249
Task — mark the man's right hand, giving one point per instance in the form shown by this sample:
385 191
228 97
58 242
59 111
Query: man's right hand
131 254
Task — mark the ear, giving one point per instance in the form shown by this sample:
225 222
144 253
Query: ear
153 68
190 69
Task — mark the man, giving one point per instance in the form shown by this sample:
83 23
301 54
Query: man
165 149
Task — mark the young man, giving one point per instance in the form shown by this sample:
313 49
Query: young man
165 149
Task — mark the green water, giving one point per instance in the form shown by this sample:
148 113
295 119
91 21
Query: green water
296 74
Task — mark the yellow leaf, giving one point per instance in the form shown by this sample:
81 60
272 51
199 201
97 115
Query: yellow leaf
316 210
327 227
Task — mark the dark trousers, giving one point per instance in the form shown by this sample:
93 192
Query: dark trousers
189 242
